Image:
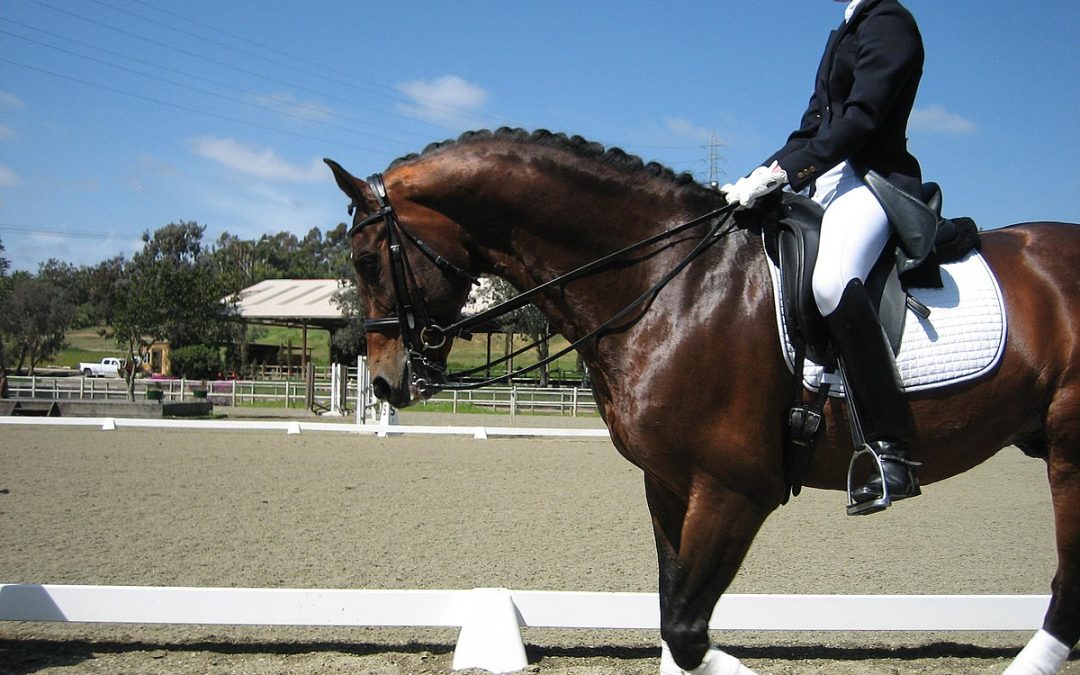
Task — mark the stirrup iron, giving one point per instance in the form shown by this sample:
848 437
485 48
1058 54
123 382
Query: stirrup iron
855 508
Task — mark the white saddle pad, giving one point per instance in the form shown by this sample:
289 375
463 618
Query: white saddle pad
962 339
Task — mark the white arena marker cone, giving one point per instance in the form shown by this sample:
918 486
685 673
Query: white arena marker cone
480 434
388 417
293 428
490 636
109 424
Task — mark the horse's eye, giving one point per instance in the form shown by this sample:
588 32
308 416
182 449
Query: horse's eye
367 265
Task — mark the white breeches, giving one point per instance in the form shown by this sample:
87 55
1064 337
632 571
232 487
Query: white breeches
854 231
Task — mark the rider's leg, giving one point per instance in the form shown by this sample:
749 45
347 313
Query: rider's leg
854 232
873 391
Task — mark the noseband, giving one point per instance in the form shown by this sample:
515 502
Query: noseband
412 321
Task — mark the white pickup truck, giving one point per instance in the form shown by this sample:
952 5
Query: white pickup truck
109 367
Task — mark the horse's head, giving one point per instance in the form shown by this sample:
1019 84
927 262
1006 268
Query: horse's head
412 273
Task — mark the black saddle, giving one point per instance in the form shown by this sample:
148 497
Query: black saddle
922 240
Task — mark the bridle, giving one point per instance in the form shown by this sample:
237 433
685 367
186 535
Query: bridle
410 307
419 334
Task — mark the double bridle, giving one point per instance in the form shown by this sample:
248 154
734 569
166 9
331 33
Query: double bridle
419 334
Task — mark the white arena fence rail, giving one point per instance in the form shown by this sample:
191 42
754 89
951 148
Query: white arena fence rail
490 619
290 393
381 429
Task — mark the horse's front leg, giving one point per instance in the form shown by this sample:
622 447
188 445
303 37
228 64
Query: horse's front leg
1049 649
701 539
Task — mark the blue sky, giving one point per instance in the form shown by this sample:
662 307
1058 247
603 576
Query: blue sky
121 116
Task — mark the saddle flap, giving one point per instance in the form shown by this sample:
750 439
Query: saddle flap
797 249
913 222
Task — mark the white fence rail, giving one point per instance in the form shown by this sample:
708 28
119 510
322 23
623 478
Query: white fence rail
570 401
490 619
381 429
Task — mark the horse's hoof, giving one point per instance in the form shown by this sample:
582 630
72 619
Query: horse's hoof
716 662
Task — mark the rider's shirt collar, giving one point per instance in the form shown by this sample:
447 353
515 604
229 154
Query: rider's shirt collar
852 6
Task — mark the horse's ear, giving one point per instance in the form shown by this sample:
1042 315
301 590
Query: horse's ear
348 183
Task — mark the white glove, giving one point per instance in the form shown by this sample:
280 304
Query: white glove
759 183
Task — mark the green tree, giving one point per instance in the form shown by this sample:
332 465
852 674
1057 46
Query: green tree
169 291
184 292
349 342
102 284
72 282
197 362
130 323
239 263
33 319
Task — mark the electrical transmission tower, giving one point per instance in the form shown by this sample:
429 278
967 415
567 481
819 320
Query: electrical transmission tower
713 148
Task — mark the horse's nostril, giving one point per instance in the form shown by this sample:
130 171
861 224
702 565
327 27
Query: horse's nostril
381 388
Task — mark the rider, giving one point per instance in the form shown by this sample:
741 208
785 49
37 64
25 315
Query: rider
856 121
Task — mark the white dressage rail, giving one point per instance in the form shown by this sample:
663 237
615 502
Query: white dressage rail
490 619
296 427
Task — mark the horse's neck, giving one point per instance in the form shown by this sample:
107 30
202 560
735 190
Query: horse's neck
532 229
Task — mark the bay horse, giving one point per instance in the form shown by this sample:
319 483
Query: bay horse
692 384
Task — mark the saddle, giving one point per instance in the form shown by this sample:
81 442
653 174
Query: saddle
921 241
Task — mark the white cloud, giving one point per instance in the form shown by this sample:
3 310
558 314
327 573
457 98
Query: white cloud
936 119
448 100
684 129
6 132
261 163
8 178
9 100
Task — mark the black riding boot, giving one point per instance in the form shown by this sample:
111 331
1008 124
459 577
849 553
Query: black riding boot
872 386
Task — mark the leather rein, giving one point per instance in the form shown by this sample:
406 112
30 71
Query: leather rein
420 334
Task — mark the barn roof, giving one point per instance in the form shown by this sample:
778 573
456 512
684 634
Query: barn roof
297 302
292 301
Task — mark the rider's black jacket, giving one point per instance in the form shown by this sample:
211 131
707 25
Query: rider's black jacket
863 95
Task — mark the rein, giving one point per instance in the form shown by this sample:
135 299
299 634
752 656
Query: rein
413 312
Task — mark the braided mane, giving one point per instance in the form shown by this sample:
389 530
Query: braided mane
575 145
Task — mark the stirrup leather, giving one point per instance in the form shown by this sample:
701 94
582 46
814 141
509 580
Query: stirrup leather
883 502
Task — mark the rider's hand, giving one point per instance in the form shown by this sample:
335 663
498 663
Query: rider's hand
759 183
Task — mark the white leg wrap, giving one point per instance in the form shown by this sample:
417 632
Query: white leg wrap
1043 655
716 662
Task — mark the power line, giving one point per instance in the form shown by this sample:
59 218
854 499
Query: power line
199 90
23 229
253 73
330 74
190 109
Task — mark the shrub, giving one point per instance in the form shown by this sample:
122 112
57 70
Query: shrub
196 362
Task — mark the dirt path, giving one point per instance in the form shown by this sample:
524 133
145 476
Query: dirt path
262 509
